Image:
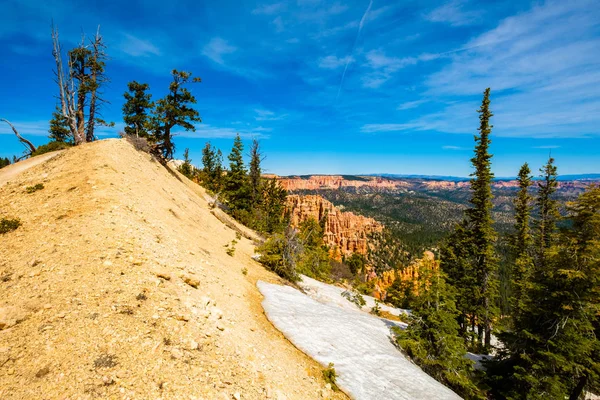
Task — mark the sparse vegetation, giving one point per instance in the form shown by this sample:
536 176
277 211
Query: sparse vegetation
9 225
329 375
34 188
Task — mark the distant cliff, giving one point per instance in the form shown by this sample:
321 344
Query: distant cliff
373 183
345 232
334 182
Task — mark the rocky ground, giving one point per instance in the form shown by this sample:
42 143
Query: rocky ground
118 285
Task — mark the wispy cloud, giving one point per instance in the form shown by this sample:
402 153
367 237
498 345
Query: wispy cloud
136 47
411 104
361 24
452 148
217 48
455 13
334 62
278 23
546 147
269 9
268 115
206 131
373 128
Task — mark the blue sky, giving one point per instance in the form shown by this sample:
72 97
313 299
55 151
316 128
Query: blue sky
335 86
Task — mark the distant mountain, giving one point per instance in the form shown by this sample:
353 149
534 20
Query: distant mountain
576 177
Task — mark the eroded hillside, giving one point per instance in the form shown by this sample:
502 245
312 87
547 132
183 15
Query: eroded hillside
118 285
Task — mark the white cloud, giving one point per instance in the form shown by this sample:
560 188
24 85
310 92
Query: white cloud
32 128
453 13
546 147
452 148
217 48
542 66
267 115
333 62
411 104
269 9
373 128
278 23
206 131
137 47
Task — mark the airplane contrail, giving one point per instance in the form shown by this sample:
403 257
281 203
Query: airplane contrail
360 26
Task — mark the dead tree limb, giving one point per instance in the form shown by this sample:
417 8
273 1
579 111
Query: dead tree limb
23 141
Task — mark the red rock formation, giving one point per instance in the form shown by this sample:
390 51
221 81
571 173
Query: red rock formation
334 182
345 232
407 274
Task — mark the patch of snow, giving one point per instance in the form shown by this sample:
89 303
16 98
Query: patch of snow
324 293
329 328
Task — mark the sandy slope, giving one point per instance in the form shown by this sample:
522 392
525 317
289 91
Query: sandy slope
10 172
87 311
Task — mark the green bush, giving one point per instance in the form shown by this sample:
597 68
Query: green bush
329 376
8 225
34 188
51 146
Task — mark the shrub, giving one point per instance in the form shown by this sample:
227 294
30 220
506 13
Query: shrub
138 143
280 254
34 188
8 225
354 297
329 376
51 146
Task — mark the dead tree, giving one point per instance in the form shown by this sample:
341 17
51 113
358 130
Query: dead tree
79 85
30 147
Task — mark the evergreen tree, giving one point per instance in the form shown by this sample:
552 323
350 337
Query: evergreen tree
431 339
136 108
273 206
59 128
255 172
174 110
212 173
548 211
522 241
237 189
4 162
187 169
553 351
471 261
314 259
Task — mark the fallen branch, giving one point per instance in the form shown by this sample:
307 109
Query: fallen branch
24 141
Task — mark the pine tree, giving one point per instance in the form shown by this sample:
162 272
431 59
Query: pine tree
548 211
59 128
255 172
237 189
314 259
522 241
187 169
138 105
273 206
431 339
470 259
553 351
174 110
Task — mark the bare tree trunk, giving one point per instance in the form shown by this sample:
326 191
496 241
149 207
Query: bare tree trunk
24 141
65 87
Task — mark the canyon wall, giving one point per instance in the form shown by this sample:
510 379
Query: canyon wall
345 232
334 182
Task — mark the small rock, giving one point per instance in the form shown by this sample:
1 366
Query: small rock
193 345
107 263
10 316
163 274
220 327
193 282
237 396
181 317
42 372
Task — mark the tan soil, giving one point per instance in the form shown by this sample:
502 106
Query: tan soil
93 295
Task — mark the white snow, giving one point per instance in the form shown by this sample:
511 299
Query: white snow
330 329
324 293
